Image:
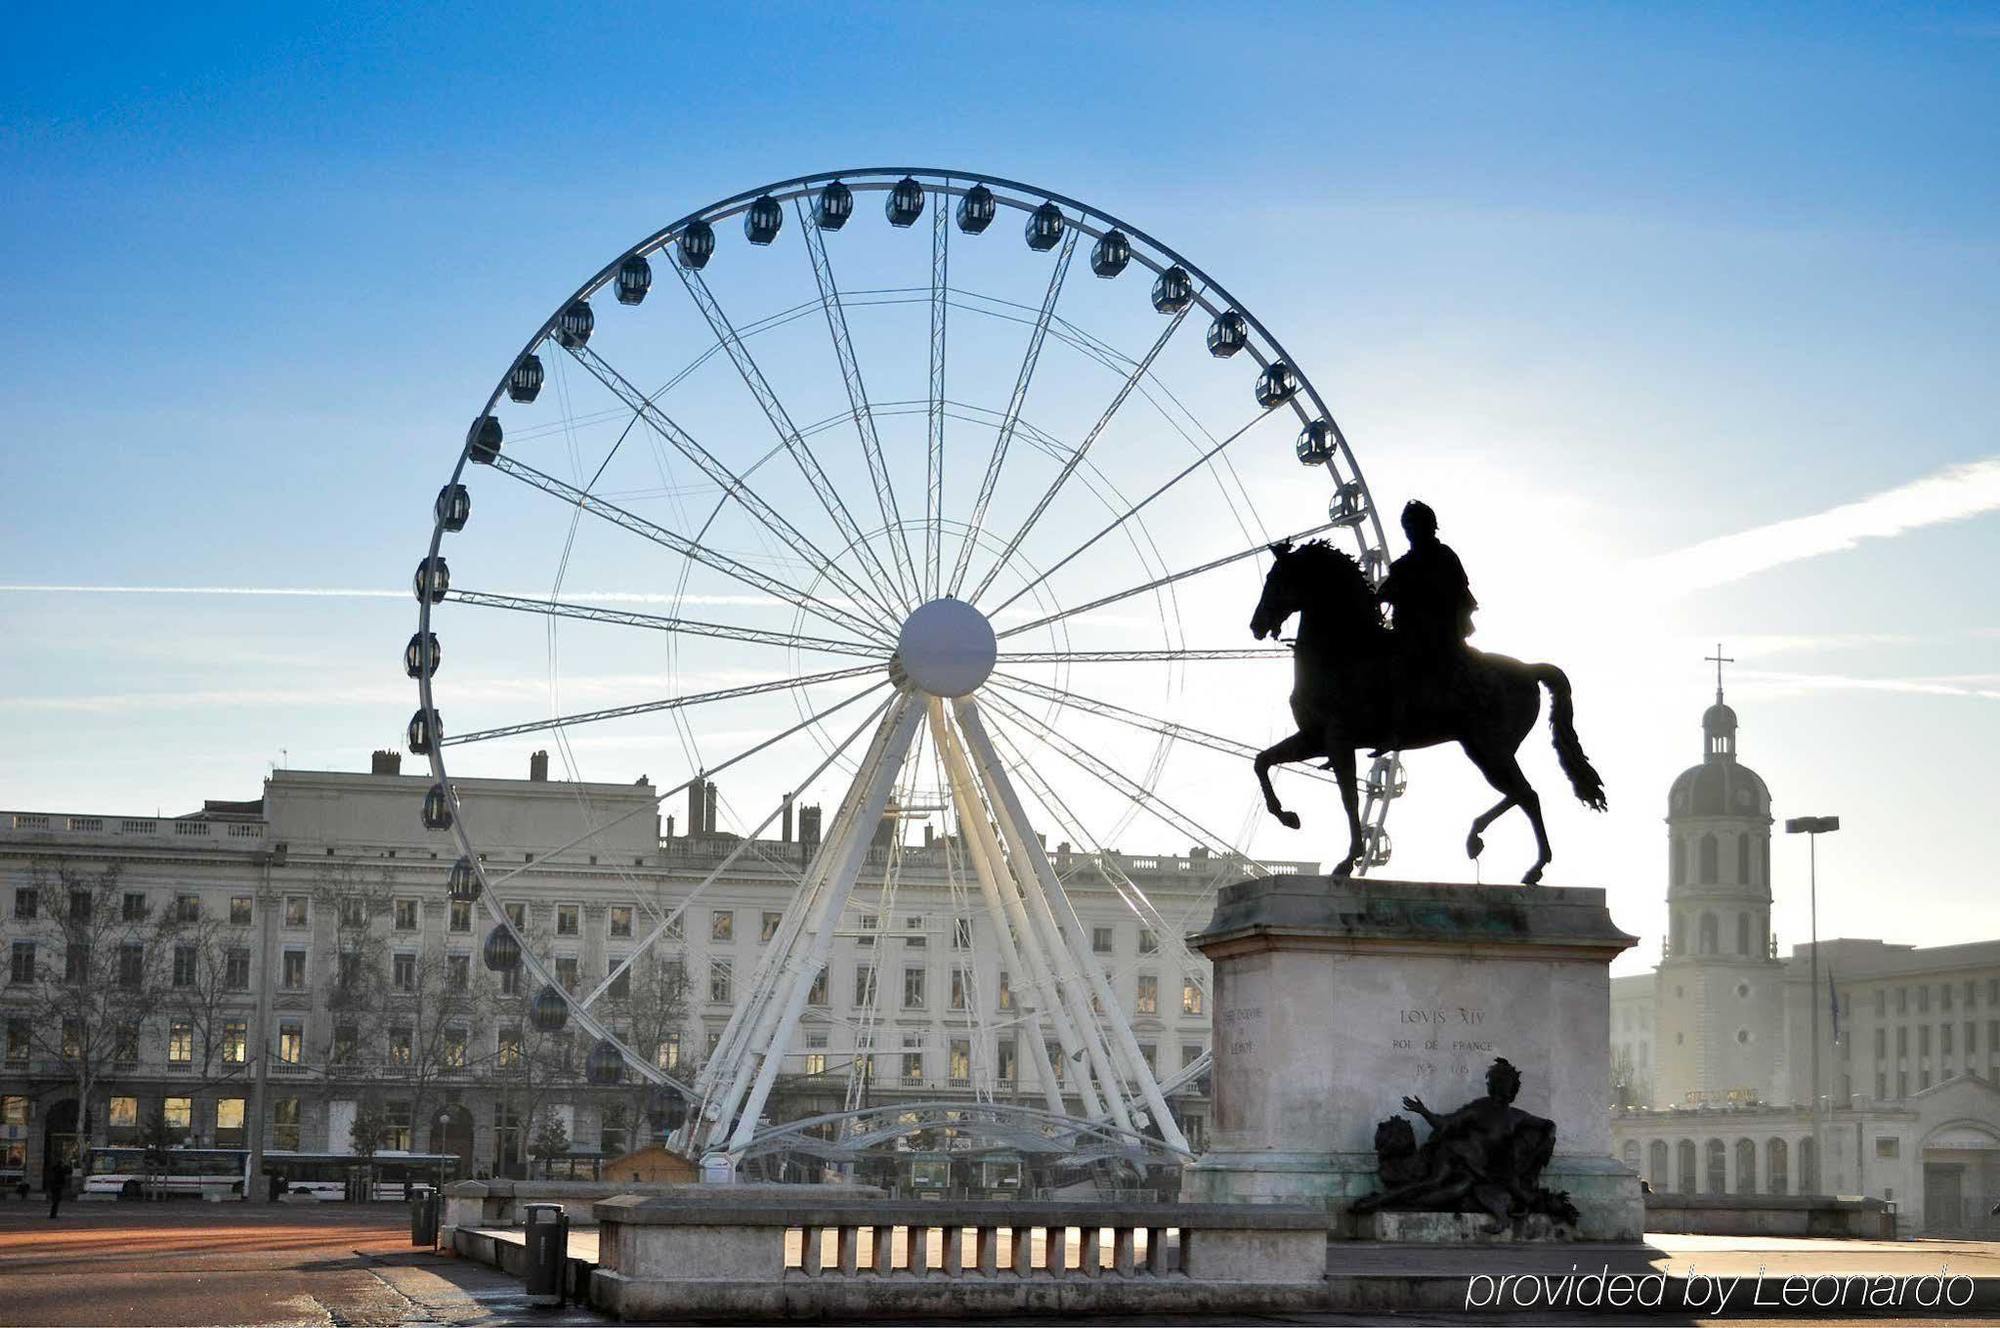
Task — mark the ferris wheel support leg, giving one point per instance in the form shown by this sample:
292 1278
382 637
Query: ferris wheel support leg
1009 805
1049 994
1045 932
972 816
868 797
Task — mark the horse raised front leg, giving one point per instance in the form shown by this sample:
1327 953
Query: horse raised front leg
1474 845
1298 747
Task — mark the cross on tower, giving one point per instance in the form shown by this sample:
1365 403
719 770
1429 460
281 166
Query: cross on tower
1719 659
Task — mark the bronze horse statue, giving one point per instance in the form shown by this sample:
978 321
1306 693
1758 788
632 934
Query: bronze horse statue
1352 688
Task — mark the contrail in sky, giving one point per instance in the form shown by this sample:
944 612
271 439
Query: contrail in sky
1952 494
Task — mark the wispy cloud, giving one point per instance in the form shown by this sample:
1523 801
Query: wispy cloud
1985 687
1952 494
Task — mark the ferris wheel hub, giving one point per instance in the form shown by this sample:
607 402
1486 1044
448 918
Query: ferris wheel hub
947 648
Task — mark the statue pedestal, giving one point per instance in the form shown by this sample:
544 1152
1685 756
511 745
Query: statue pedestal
1335 999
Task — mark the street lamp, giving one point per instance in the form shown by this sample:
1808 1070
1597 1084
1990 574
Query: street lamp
1813 827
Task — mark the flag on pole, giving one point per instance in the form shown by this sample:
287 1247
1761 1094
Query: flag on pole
1833 1000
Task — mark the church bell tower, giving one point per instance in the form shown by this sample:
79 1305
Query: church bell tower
1719 985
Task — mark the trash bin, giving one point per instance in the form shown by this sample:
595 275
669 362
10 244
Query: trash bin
547 1230
423 1216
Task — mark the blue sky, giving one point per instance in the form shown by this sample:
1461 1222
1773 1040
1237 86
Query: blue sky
1604 283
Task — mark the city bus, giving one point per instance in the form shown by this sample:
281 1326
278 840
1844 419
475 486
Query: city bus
128 1171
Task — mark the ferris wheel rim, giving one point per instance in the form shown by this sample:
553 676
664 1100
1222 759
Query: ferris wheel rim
1210 295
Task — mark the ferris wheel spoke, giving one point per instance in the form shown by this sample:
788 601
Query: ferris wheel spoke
686 547
1143 656
1111 776
708 772
1134 510
1164 728
731 484
1026 375
660 623
1167 580
857 397
748 843
1139 370
781 422
934 449
656 707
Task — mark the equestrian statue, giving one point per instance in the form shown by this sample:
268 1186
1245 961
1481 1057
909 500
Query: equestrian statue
1409 682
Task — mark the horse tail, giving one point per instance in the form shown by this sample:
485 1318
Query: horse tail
1583 776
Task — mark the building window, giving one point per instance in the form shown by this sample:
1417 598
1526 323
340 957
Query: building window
869 924
1191 1002
235 1040
236 969
76 963
961 934
722 925
461 915
133 906
229 1122
178 1113
297 910
396 1114
403 913
568 920
1150 1054
517 913
769 928
17 1042
817 995
815 1053
180 1044
1149 994
24 904
458 971
186 959
959 1066
1923 1039
1100 940
620 986
1190 1053
404 970
293 974
913 989
346 1044
187 908
132 964
721 977
864 986
1708 863
669 1054
124 1119
21 966
958 994
914 932
455 1040
913 1058
291 1041
1006 1062
567 973
508 1048
619 924
1006 991
1149 941
285 1123
402 1045
240 910
1710 941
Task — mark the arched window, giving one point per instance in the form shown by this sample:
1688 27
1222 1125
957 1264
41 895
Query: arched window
1808 1167
1743 859
1656 1165
1709 850
1677 944
1710 934
1743 933
1764 861
1685 1159
1717 1159
1631 1155
1777 1168
1680 856
1746 1166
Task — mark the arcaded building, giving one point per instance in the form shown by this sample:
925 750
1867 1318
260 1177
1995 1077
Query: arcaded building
1712 1051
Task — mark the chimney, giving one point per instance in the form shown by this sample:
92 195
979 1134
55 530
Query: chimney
785 837
696 791
538 767
386 763
708 807
808 832
930 835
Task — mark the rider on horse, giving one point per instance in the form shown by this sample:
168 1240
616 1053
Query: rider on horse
1433 605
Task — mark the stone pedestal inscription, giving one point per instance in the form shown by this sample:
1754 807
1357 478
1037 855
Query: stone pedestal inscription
1334 999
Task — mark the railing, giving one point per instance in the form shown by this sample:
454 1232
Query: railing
247 834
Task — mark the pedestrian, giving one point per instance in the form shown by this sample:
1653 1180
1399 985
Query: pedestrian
56 1181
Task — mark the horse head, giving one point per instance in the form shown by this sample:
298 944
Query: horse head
1280 598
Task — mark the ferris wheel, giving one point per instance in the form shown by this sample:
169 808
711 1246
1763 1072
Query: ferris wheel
915 492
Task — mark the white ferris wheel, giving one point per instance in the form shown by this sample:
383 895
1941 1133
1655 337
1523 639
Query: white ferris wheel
910 491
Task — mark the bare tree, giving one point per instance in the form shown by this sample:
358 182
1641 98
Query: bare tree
97 964
207 971
650 1015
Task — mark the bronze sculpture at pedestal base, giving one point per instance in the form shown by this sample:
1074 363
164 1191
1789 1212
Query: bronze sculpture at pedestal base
1486 1157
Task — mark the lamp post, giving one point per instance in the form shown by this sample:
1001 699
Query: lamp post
1813 827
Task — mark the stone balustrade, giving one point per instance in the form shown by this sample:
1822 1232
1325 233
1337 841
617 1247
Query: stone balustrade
771 1257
